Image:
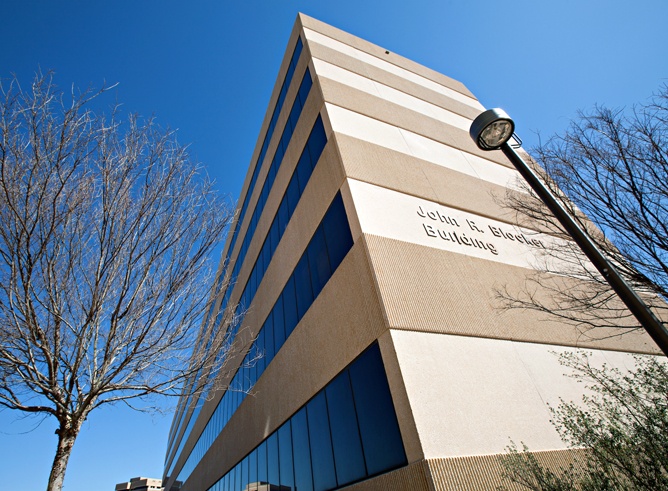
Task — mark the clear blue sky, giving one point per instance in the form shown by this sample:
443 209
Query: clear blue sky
207 68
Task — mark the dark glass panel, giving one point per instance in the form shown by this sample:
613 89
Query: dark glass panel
295 113
319 261
281 96
301 452
244 473
252 466
346 442
266 257
305 87
262 462
271 174
261 355
298 49
302 278
263 197
322 458
252 285
233 479
283 216
381 439
285 453
269 347
289 306
316 141
272 459
337 232
280 151
285 140
293 194
303 170
273 233
279 324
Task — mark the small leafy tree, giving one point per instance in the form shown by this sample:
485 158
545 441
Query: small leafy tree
622 427
107 228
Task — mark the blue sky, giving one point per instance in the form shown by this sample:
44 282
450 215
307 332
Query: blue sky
207 68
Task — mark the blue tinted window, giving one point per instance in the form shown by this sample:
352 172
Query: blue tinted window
283 215
273 233
252 466
303 170
322 459
305 87
244 473
285 453
233 479
301 452
319 261
346 441
337 232
293 194
262 462
295 113
269 346
290 307
272 460
259 342
326 445
303 285
266 253
279 324
381 439
317 141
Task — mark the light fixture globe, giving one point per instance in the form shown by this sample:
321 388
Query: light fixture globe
491 129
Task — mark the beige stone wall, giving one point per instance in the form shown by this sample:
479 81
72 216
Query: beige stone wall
479 473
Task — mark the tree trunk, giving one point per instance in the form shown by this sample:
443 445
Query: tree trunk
67 434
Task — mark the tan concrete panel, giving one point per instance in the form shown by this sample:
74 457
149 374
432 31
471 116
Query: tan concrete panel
478 473
347 97
483 473
394 170
340 324
426 289
379 52
390 79
414 477
330 71
472 396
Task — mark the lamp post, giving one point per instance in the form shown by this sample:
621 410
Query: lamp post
491 130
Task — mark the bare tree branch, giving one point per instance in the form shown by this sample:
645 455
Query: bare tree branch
107 229
610 170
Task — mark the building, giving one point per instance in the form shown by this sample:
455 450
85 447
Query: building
140 484
367 250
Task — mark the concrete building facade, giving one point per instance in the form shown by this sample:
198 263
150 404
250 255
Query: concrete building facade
367 251
140 484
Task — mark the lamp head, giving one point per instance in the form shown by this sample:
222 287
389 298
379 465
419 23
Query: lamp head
491 129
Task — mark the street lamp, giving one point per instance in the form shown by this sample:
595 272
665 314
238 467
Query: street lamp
491 130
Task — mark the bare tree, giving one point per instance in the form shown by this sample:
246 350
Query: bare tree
107 228
609 168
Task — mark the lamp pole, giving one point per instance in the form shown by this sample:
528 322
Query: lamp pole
491 130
